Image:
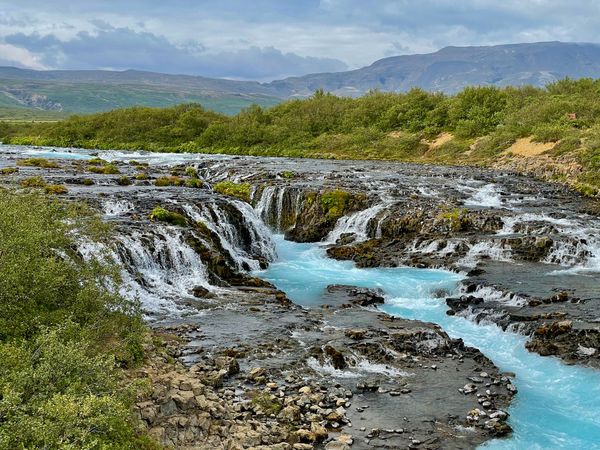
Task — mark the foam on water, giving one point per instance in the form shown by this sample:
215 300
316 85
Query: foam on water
486 196
356 224
557 406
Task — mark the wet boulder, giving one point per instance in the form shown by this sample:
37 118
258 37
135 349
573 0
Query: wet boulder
356 295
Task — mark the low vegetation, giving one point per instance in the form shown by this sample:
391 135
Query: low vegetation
335 203
38 162
66 336
240 191
172 180
481 123
163 215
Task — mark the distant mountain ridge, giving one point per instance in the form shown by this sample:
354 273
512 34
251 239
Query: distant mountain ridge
448 70
451 69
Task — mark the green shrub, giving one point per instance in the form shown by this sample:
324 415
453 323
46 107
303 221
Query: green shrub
194 183
58 392
335 203
55 189
88 182
38 162
237 190
164 215
191 172
124 181
8 170
97 162
108 169
287 174
33 182
43 280
169 181
141 176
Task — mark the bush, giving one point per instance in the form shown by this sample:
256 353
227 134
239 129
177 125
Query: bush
97 162
123 181
169 181
237 190
88 182
164 215
8 170
57 392
108 169
33 182
194 183
64 331
335 203
55 189
38 162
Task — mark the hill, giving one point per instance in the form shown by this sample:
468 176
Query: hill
451 69
95 91
448 70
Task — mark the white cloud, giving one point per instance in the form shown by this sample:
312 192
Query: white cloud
17 56
299 35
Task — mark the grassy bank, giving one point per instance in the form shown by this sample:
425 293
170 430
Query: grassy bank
66 337
483 126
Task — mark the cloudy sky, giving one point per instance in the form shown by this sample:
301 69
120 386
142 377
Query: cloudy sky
270 39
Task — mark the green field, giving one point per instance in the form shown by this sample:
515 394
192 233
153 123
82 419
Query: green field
86 98
15 114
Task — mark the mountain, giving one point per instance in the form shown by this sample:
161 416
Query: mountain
451 69
447 70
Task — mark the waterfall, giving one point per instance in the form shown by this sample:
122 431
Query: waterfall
245 242
279 206
158 266
494 250
356 224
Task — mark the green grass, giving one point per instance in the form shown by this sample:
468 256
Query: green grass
87 98
240 191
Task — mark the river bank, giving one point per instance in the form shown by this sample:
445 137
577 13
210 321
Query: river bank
526 252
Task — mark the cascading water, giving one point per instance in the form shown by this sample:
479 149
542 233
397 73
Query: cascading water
356 224
278 206
159 267
558 406
114 208
244 252
485 196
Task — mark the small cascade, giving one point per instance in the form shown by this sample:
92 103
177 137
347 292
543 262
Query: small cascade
486 196
510 222
492 294
493 250
246 242
159 266
438 247
357 224
578 254
278 206
115 208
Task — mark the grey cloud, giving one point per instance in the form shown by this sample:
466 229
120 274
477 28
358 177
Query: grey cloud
124 48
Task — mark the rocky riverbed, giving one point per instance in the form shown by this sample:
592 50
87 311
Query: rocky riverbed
244 367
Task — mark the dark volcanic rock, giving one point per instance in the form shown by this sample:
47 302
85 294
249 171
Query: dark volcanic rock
357 295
